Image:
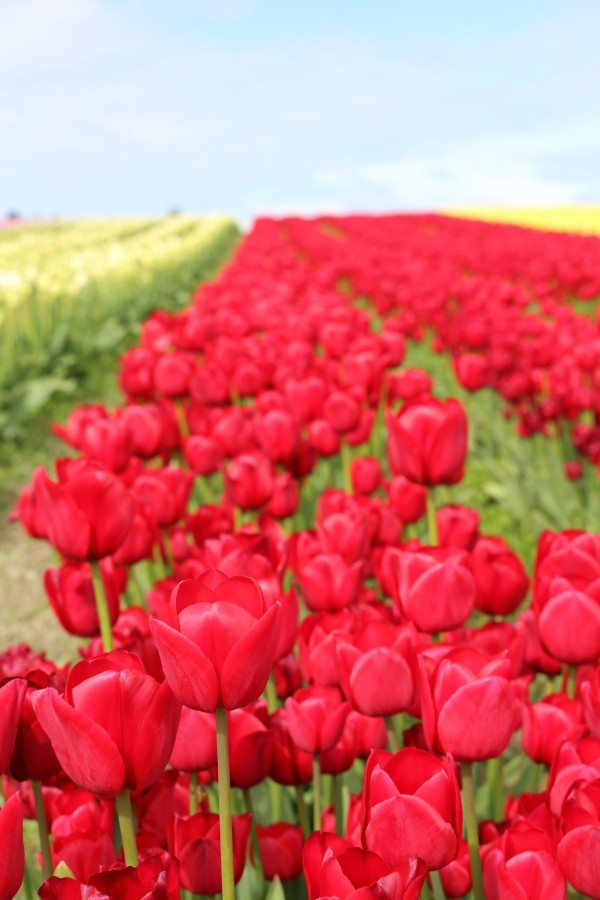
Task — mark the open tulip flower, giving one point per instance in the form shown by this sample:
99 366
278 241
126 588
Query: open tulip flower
298 635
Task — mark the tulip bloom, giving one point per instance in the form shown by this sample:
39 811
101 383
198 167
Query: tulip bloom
70 590
427 441
531 874
546 725
220 647
333 867
469 708
11 702
195 746
12 853
89 515
111 715
155 878
379 673
434 588
500 578
196 843
412 808
315 718
280 850
579 850
249 481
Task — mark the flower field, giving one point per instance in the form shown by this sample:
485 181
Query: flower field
333 569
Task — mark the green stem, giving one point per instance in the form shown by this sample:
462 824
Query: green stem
316 792
227 889
437 886
471 827
495 774
391 734
432 529
42 822
346 463
126 827
271 692
258 866
101 607
302 811
338 804
193 793
572 682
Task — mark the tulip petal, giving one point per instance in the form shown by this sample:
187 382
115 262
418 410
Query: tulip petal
158 731
188 670
12 854
246 669
479 720
87 754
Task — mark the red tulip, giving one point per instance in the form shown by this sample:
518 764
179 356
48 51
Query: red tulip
458 526
249 481
221 646
250 749
579 850
412 808
87 730
195 841
195 746
427 441
548 724
83 837
328 582
379 673
366 475
434 588
280 850
155 878
333 867
12 854
530 875
500 579
11 702
70 591
469 709
456 876
408 498
315 718
89 515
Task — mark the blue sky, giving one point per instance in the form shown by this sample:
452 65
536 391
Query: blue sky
272 106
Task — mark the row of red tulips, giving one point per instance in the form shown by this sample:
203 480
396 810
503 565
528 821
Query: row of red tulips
296 663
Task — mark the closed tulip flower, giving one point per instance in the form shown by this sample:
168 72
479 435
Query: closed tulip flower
249 481
195 842
87 516
221 644
70 591
328 582
11 702
280 850
278 434
195 746
408 498
378 673
12 854
427 441
456 876
366 475
333 867
468 706
458 526
315 718
250 749
546 725
579 850
412 807
529 875
434 588
501 581
569 622
111 714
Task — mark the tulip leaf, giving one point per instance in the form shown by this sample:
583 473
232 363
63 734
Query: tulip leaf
275 891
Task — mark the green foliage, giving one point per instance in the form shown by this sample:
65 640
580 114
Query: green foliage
71 292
